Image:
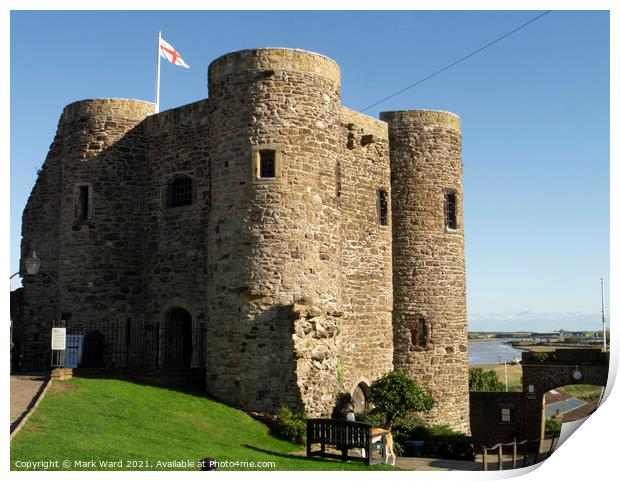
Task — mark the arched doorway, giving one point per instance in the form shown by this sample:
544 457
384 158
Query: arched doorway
177 339
359 397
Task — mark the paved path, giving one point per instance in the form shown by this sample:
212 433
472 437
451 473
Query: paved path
431 464
434 464
424 464
24 389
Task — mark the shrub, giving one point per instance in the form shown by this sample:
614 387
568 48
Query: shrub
443 442
421 433
291 425
487 381
402 427
396 395
454 446
553 424
374 418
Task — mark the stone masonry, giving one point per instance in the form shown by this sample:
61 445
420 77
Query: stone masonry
430 319
312 242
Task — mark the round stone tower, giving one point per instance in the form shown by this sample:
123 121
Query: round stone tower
429 317
103 155
273 238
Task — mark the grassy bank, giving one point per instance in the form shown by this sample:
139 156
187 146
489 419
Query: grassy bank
552 347
586 392
514 374
106 420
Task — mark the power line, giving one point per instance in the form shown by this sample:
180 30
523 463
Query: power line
471 54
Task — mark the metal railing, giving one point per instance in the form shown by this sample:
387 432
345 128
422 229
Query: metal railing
529 456
134 345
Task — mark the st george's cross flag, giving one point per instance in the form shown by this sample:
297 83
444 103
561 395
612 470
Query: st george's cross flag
170 53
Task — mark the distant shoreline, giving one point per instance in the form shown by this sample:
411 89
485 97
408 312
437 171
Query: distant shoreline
503 341
524 344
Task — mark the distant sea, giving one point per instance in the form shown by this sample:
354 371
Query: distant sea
492 352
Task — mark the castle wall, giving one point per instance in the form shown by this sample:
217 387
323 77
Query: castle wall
429 318
40 232
273 243
366 252
174 239
100 270
292 272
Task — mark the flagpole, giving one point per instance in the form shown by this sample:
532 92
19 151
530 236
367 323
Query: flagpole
603 315
158 65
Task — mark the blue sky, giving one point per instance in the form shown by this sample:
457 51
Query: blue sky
534 110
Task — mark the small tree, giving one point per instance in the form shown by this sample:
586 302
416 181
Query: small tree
481 380
397 395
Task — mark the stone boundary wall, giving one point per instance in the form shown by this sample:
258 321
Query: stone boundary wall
486 429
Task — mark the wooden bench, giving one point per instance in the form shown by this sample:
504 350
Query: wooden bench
344 436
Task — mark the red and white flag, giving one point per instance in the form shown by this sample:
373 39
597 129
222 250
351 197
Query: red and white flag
170 53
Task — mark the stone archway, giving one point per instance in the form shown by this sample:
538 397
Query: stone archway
358 397
177 339
544 371
524 411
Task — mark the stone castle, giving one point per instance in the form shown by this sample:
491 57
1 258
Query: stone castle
320 248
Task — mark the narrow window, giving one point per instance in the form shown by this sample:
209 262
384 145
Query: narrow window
179 192
450 210
338 183
419 333
267 164
383 207
83 203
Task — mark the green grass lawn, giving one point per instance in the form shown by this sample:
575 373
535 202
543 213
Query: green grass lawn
114 420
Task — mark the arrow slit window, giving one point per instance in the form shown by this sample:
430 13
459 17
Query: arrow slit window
450 210
83 200
382 205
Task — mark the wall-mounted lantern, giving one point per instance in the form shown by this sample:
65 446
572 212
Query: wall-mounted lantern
33 263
